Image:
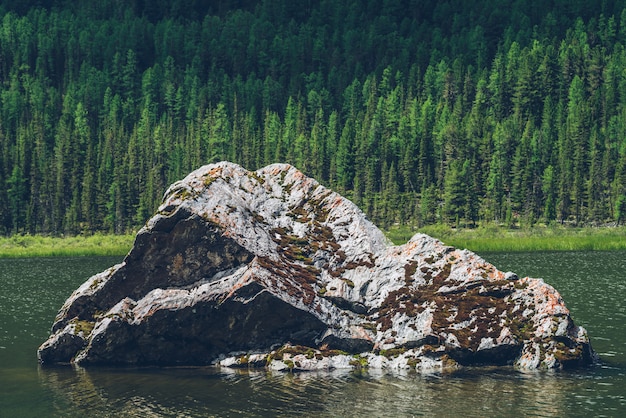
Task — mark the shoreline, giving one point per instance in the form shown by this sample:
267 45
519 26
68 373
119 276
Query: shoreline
35 246
482 239
493 238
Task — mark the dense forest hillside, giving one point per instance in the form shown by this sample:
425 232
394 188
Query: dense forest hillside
419 111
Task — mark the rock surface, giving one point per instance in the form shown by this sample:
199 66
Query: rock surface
271 269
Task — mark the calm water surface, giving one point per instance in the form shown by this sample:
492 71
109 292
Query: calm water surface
593 285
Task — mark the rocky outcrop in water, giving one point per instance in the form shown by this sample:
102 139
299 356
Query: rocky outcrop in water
271 269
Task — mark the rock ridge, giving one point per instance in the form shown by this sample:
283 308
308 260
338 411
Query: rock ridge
269 268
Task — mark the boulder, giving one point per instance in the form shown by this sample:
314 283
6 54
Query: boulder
270 269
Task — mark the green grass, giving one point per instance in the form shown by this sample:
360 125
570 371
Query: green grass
21 246
482 239
538 238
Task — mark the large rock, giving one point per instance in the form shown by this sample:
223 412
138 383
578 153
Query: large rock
269 268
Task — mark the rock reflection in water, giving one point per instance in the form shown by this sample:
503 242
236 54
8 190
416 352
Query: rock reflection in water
218 392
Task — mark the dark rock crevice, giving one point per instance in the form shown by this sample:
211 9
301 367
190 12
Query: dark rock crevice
183 250
500 355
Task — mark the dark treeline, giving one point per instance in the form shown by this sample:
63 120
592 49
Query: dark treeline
419 111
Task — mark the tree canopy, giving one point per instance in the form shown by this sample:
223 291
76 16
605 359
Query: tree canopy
419 111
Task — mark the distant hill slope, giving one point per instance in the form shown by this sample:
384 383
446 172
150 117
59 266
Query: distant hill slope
420 112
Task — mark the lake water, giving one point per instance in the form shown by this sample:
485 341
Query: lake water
593 285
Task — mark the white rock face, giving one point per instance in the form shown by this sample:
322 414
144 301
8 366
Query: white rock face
271 269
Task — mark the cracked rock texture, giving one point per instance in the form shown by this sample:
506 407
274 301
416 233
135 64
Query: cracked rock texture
271 269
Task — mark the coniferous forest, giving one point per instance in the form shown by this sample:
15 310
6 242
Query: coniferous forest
420 111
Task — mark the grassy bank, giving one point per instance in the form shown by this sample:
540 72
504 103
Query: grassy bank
43 246
484 239
494 238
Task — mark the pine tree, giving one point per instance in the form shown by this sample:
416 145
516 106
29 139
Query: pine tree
548 181
620 210
428 204
455 197
577 132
